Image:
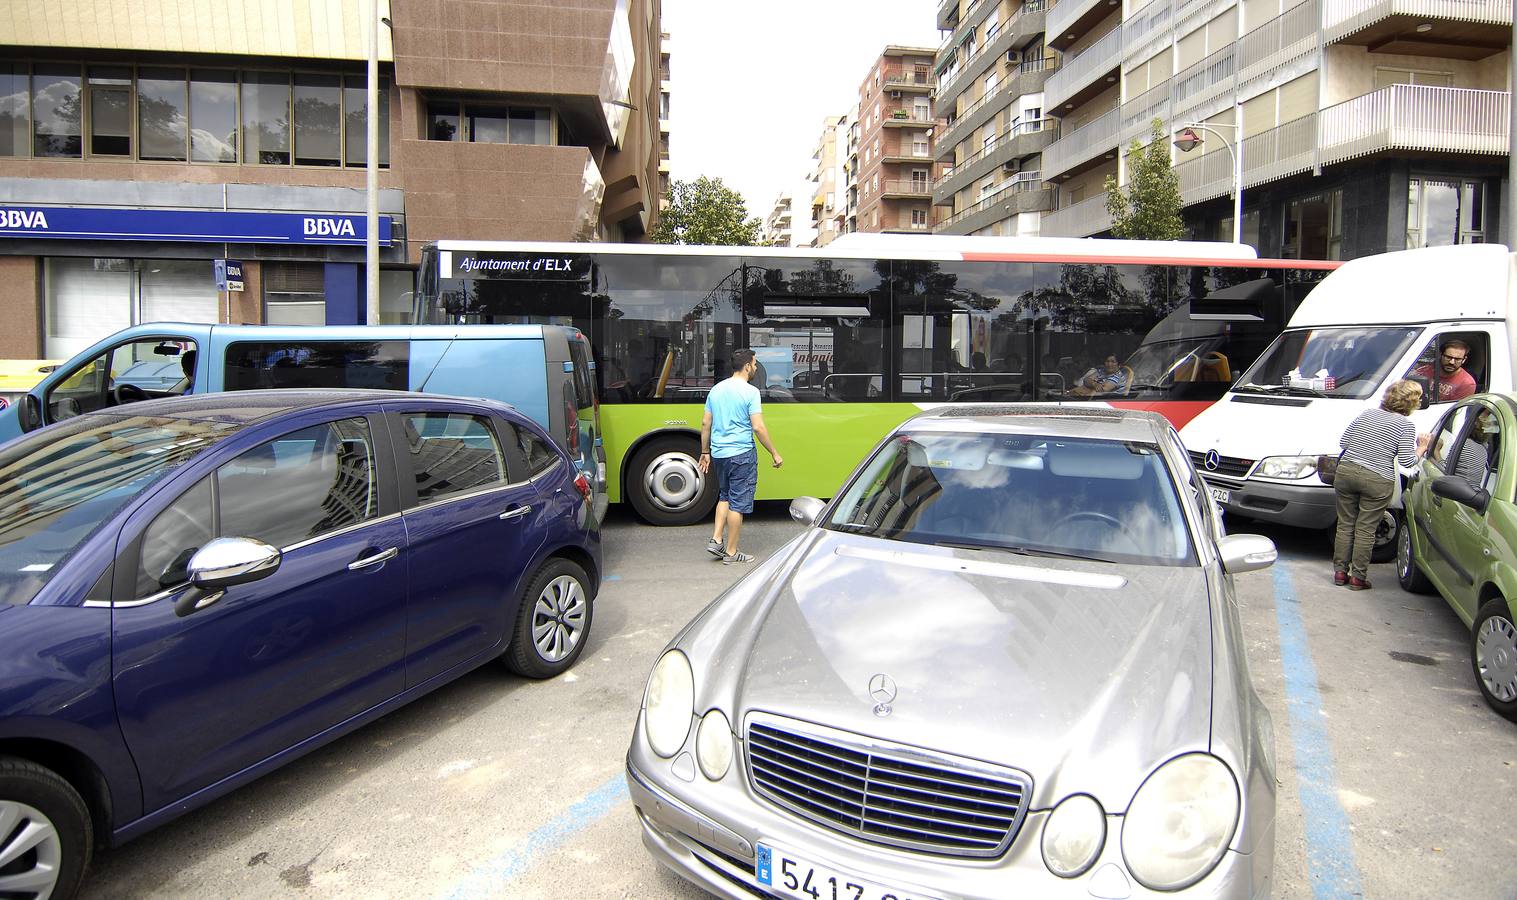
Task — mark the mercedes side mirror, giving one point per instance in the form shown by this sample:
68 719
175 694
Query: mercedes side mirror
1246 553
806 510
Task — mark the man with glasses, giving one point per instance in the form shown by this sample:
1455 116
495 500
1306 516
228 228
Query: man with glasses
1453 382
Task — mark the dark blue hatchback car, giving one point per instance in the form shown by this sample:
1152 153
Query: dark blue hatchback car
194 591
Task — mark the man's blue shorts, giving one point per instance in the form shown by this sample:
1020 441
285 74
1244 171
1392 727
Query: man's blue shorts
737 480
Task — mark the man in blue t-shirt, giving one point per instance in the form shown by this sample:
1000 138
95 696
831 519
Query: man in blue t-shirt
732 420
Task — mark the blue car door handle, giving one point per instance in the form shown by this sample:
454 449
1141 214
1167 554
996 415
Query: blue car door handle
516 513
374 560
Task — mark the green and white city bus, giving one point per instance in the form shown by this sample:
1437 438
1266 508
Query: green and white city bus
855 337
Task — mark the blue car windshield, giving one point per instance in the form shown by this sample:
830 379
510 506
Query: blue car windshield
59 486
1028 494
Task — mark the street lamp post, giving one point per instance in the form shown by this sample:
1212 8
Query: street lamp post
1187 140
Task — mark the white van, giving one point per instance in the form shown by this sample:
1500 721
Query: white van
1370 322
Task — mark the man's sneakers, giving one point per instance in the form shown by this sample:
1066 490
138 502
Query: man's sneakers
719 553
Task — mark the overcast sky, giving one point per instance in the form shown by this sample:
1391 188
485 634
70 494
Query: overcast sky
752 82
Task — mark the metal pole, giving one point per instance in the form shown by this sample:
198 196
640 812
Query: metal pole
371 168
1511 131
1238 172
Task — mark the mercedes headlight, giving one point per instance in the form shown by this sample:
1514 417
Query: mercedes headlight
713 745
1288 467
1073 836
1180 823
669 704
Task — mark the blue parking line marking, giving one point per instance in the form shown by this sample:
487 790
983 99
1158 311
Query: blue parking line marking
1329 844
612 578
490 879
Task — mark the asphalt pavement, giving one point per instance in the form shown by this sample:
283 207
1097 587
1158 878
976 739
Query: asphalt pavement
1396 780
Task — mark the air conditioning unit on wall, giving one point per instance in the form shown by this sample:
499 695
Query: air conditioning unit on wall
1011 165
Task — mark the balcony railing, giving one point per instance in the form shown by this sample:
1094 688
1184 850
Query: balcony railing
903 79
1341 18
907 117
1081 219
907 187
1399 117
1205 80
1016 188
1084 67
906 152
992 48
1142 34
1139 113
1415 117
1083 144
1279 40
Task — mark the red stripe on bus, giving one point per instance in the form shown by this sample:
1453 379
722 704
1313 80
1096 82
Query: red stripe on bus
1178 412
1320 264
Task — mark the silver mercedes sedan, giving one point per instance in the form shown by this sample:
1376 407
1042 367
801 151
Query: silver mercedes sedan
1004 662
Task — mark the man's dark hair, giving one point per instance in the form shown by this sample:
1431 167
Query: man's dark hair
741 358
1453 343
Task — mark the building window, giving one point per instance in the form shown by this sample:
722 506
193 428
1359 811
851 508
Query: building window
442 122
1314 227
1250 231
663 105
294 293
918 218
15 124
318 120
213 116
110 101
447 120
355 98
266 118
56 112
163 114
1385 77
88 299
1440 212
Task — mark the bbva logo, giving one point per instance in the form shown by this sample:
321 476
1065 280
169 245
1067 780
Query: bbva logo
22 218
324 227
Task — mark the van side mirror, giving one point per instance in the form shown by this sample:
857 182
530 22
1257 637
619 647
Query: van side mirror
29 413
1452 487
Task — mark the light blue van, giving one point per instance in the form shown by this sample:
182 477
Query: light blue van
545 371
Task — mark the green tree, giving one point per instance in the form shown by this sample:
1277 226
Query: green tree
1148 207
705 211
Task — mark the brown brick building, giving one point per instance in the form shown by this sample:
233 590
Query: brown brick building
136 149
893 161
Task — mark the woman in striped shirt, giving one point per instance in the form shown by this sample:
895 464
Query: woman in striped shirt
1374 444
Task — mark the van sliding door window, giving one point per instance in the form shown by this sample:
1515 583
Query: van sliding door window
255 365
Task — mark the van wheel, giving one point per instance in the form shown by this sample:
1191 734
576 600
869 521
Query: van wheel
552 621
47 837
666 486
1386 535
1493 652
1408 573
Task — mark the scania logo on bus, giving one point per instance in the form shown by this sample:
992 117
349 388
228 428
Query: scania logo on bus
1213 460
22 218
324 227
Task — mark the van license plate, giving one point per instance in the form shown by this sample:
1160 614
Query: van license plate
1220 495
788 875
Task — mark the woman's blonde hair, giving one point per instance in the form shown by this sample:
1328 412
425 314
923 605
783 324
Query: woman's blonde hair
1402 397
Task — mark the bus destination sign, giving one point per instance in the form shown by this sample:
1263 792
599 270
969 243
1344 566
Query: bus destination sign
515 266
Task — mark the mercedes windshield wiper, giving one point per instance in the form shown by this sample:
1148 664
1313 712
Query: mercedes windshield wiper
1010 548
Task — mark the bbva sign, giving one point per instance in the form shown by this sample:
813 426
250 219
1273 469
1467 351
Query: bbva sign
321 226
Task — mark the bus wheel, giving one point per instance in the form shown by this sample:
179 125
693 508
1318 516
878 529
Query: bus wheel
666 486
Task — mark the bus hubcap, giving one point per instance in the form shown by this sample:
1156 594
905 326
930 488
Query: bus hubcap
674 482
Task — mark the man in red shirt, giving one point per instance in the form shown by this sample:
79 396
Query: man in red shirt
1454 383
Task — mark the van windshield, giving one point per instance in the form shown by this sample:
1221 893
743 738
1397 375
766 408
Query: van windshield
1350 362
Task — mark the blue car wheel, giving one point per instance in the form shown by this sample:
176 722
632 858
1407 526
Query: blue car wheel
45 836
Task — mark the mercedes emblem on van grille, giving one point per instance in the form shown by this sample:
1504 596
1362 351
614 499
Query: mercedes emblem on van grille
882 692
1213 460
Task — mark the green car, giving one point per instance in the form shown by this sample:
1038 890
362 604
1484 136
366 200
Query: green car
1461 535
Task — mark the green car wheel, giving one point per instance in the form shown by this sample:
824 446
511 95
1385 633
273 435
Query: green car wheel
1493 652
1408 573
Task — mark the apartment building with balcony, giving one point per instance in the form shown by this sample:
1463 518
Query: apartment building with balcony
1367 125
991 68
137 147
895 162
666 47
829 196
